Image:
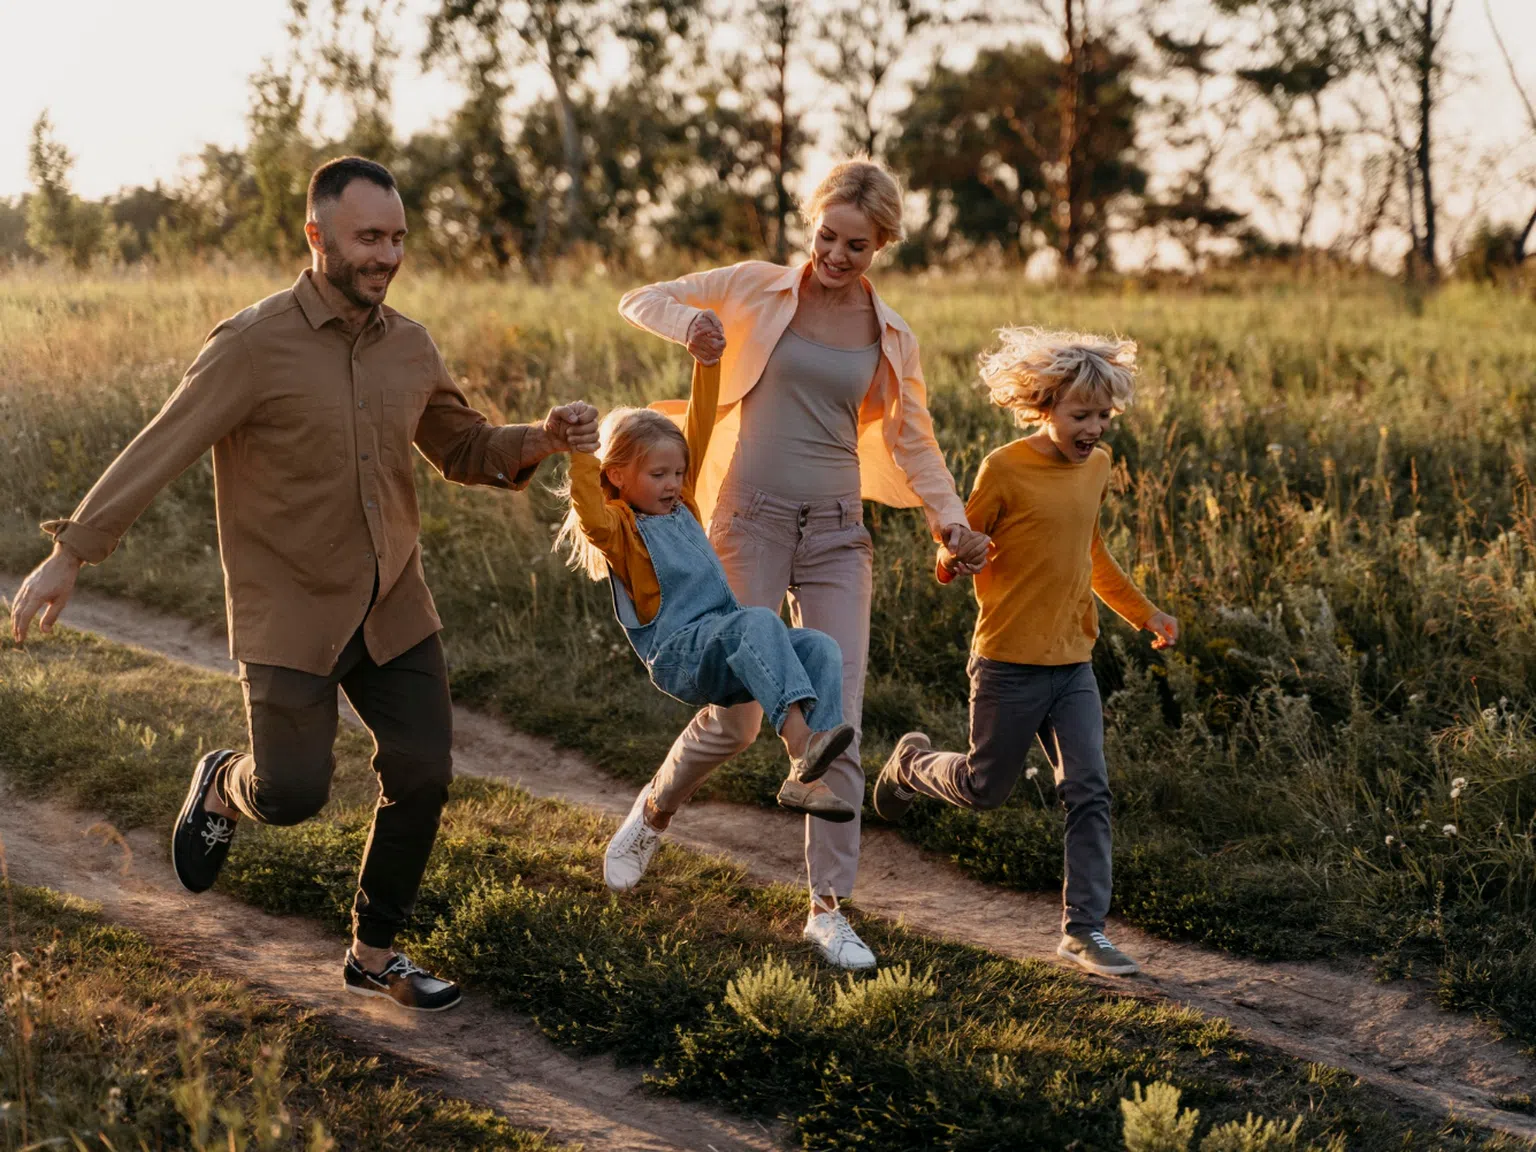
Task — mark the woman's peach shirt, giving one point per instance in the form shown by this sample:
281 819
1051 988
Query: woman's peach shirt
899 460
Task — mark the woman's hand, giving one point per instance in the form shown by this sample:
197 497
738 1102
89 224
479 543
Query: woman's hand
706 338
967 547
1164 628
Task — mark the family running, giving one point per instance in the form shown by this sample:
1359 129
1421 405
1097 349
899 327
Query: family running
807 399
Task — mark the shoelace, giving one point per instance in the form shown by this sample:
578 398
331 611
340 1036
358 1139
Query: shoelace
402 966
218 831
842 931
1100 939
641 839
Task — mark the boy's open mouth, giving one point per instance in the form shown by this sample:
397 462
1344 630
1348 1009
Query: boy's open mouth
1084 446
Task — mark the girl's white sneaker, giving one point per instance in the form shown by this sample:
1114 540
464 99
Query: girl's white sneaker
836 940
632 847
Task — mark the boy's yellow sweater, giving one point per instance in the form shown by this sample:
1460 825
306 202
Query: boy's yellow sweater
610 524
1036 592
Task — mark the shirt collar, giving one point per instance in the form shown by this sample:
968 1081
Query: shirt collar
318 312
789 281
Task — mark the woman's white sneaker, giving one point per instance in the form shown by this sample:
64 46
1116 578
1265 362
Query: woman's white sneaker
632 847
836 940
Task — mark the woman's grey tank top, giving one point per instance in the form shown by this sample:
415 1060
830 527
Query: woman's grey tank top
800 424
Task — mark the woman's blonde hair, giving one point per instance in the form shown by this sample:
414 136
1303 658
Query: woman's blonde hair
867 186
625 435
1032 370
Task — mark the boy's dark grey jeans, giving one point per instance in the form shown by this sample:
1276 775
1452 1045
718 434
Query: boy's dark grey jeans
1012 704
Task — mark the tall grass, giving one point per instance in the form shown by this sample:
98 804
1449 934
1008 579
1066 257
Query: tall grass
1328 483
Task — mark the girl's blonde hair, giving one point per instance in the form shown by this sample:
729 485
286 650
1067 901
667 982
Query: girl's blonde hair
1032 370
625 435
867 186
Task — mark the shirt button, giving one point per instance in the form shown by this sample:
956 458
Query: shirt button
365 455
362 403
500 476
373 503
368 556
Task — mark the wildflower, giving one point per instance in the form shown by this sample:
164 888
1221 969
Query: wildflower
1274 449
1391 840
1031 772
1416 699
1458 786
1449 830
1491 717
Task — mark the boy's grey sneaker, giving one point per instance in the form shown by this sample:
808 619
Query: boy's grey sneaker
403 982
815 799
820 750
1093 951
200 840
891 800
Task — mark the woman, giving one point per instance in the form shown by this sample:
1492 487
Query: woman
822 403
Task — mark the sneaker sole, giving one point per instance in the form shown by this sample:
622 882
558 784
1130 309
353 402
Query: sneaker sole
194 790
375 995
839 815
1097 969
887 778
894 807
835 748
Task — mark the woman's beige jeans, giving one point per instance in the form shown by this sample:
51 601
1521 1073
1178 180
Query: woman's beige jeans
818 554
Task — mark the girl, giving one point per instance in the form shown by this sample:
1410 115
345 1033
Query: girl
633 519
1038 498
822 402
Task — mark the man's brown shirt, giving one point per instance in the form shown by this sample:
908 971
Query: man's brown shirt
311 432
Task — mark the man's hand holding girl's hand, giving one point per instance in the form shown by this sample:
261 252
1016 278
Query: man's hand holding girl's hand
1164 629
706 338
572 427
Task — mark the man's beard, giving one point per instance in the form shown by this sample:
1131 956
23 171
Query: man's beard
344 275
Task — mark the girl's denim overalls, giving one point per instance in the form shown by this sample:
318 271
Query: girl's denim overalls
703 647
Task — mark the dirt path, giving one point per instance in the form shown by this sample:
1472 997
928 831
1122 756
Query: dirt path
1391 1035
477 1052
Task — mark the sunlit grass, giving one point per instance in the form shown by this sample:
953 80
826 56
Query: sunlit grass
1327 481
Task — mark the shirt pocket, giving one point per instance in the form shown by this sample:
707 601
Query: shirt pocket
300 437
402 409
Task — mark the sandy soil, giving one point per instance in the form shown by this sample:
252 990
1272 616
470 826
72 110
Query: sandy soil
1391 1034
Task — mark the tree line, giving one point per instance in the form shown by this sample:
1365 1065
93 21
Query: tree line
616 127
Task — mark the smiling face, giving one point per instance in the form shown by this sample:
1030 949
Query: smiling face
1077 422
844 246
653 483
359 241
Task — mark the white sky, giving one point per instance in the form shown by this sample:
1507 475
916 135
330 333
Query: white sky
135 87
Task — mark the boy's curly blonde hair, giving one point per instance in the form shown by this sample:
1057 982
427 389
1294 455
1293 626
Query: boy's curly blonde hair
1032 370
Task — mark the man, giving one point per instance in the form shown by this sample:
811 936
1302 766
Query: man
311 401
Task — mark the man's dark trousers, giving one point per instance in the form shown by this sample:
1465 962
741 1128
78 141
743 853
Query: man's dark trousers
286 777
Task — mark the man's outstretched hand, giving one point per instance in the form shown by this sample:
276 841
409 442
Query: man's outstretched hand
571 428
48 589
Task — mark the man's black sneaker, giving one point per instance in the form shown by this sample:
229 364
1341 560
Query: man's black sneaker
891 800
200 840
402 982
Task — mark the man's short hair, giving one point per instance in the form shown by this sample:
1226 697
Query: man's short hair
331 179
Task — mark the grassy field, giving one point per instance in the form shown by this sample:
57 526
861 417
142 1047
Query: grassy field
106 1044
1327 481
699 976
